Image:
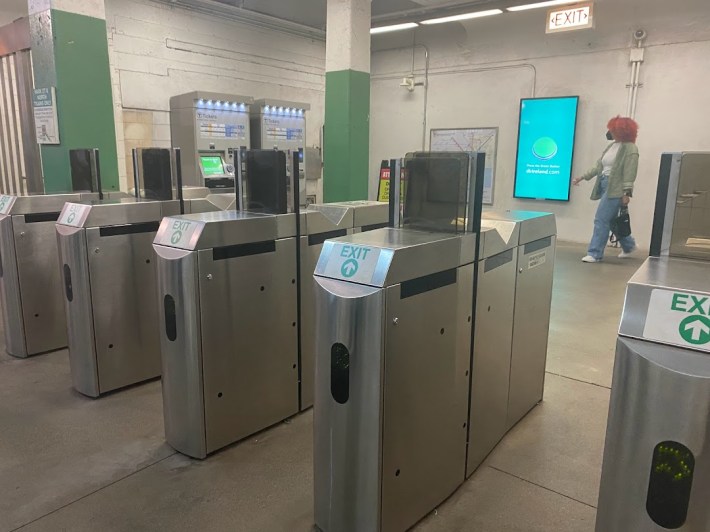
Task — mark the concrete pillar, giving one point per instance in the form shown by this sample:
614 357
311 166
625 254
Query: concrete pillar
70 53
346 148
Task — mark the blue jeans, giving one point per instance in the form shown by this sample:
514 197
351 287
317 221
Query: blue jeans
606 212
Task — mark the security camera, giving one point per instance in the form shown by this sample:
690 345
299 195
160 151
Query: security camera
640 35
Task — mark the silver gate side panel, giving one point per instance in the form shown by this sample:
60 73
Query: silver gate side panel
13 325
125 311
183 402
493 339
425 400
348 435
309 259
653 384
80 323
533 297
249 319
40 285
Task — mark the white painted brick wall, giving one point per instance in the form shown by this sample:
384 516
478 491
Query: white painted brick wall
157 51
481 69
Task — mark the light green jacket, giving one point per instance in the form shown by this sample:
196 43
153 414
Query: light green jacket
623 172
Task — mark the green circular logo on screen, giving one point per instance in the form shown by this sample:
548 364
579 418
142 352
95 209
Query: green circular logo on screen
544 148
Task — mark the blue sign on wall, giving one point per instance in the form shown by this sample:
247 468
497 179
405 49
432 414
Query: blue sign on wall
543 169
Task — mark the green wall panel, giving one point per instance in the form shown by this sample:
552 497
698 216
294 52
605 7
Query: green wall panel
346 142
84 100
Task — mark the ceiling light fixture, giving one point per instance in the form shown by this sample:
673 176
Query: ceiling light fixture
538 5
463 16
394 27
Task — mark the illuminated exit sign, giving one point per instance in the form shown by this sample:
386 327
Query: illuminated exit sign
576 17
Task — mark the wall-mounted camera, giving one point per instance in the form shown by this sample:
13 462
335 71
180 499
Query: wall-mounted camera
640 35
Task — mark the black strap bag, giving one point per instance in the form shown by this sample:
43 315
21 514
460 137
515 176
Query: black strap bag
621 225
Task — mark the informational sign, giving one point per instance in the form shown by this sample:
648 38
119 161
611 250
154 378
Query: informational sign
538 259
74 214
178 233
679 318
352 263
6 203
221 124
546 134
577 17
383 188
284 128
471 140
384 184
44 104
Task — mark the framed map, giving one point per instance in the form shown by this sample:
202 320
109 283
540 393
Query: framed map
482 139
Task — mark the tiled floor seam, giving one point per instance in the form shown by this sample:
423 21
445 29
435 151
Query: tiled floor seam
28 523
578 380
541 486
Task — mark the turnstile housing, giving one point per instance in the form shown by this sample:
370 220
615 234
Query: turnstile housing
492 340
513 299
322 222
228 334
109 280
533 299
392 376
30 284
656 470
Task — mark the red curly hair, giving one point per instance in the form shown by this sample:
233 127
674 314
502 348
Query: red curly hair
623 129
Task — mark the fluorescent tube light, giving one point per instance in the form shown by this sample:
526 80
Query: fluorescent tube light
538 5
464 16
394 27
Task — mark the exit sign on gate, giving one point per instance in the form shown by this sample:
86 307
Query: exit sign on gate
576 17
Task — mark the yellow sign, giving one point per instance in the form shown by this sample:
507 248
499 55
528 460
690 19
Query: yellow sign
383 190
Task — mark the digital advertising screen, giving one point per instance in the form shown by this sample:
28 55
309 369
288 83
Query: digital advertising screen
543 168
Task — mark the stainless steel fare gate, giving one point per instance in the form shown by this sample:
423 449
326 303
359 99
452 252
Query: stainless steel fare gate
227 285
109 284
392 376
31 293
321 222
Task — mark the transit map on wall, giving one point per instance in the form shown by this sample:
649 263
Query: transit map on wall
471 140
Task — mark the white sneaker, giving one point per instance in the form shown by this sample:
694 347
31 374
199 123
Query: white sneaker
629 255
590 259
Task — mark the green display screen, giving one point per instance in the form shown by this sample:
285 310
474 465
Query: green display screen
212 165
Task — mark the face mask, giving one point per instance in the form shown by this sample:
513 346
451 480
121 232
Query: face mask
609 136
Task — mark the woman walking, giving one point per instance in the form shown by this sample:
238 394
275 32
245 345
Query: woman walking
615 175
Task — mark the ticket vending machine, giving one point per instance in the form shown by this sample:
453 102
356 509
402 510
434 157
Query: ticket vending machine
394 318
281 125
108 278
228 305
656 469
210 128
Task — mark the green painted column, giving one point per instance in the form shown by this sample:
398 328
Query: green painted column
346 142
70 53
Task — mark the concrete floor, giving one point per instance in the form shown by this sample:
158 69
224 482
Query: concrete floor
72 463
